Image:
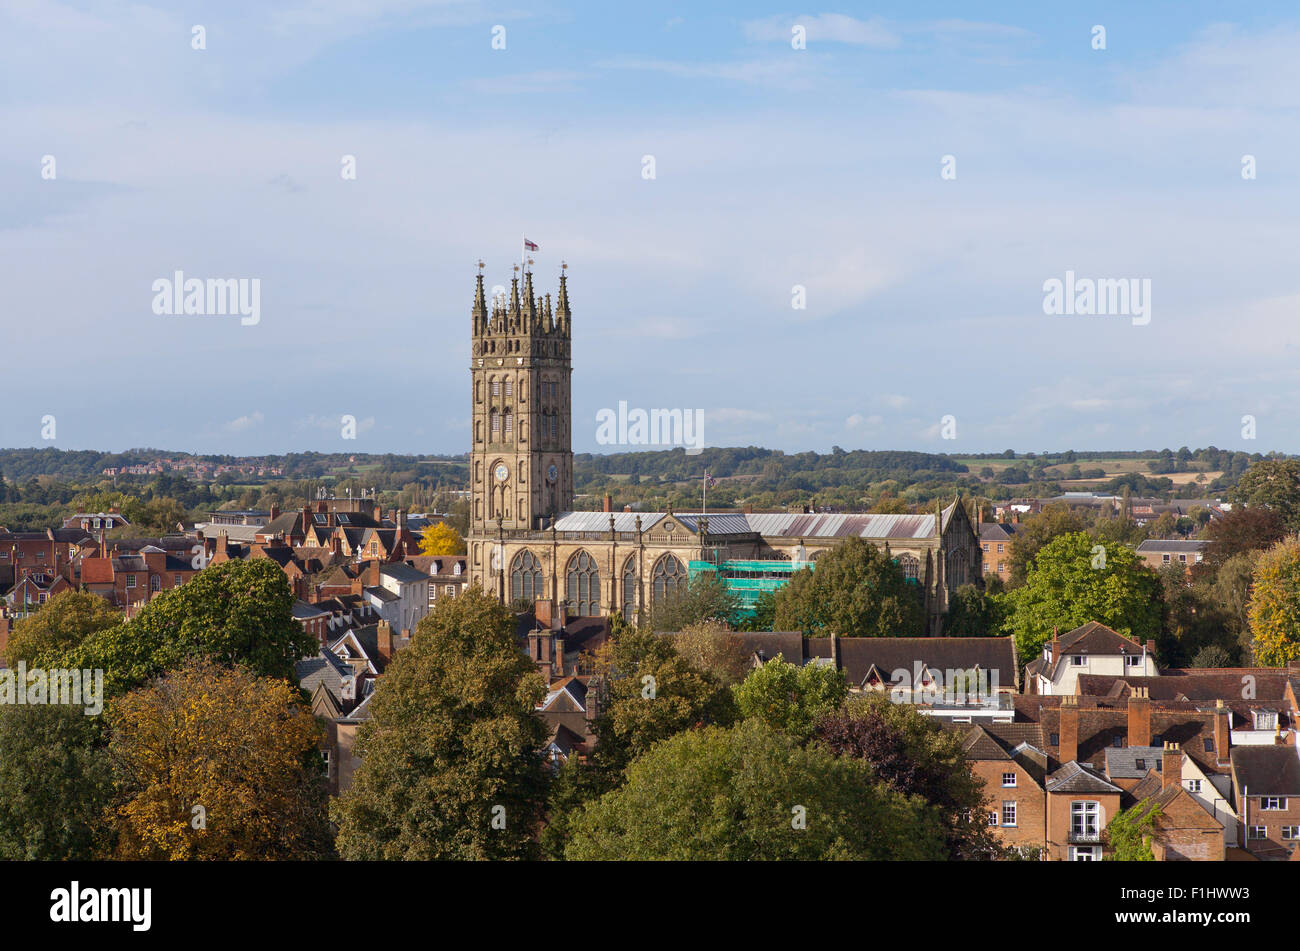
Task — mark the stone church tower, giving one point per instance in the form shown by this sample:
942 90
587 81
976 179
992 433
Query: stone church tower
521 461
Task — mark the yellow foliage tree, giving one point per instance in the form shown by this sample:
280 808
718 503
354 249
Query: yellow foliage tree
441 539
1274 609
214 763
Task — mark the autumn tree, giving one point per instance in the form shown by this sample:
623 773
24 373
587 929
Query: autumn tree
1239 531
714 647
441 539
854 590
451 756
706 598
912 754
752 793
58 626
1073 581
213 762
237 612
1274 608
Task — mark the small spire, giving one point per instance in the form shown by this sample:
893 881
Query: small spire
514 294
530 302
480 313
562 314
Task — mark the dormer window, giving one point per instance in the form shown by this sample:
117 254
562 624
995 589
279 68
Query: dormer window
1132 660
1265 720
1077 660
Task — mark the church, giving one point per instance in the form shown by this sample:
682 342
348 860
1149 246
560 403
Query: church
525 542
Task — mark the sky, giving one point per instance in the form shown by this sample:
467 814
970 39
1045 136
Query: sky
921 171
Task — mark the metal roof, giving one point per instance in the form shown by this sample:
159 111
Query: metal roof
772 525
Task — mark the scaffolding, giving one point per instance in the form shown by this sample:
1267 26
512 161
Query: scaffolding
748 580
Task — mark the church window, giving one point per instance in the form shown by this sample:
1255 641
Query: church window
629 587
583 587
525 576
668 578
911 567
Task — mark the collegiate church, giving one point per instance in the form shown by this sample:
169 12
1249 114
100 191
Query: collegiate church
525 542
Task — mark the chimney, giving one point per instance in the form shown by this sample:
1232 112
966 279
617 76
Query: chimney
275 512
749 508
609 503
336 544
384 635
561 617
542 612
627 508
222 551
1139 717
1068 748
374 573
400 519
1222 731
306 518
1171 769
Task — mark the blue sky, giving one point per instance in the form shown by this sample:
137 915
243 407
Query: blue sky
775 167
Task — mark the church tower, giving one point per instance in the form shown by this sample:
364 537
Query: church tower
521 461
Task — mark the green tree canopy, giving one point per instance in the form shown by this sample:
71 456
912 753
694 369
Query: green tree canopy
237 612
451 757
1273 484
55 783
59 626
1069 584
911 753
791 698
750 793
856 591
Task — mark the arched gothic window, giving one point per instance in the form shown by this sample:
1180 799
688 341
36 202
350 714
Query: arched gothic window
526 577
582 588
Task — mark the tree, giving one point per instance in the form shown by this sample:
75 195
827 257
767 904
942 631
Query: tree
854 590
651 693
1212 655
451 757
706 598
791 698
1070 583
973 612
1273 484
213 762
441 539
914 755
58 626
1036 531
763 617
1238 531
237 612
713 647
1131 831
1274 608
54 783
752 793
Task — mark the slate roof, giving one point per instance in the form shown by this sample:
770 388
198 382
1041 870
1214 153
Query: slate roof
400 571
1172 546
887 654
1075 777
997 531
1267 770
1134 762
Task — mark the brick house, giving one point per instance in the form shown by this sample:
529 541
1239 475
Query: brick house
1158 552
1080 802
1266 787
1183 828
1009 760
995 542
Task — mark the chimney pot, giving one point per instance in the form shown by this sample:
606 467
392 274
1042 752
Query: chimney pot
1171 769
1068 748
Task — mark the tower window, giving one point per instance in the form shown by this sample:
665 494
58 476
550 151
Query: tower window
496 387
510 422
510 387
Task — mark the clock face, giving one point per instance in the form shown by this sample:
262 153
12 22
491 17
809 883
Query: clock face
502 473
552 473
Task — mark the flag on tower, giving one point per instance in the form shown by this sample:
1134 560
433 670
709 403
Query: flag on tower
531 246
709 481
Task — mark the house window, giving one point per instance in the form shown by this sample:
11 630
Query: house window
1272 802
1208 743
1084 819
1117 740
1193 785
130 581
1257 832
993 818
155 583
1083 854
1183 559
176 581
1053 739
1077 660
1290 833
1140 763
1132 660
1008 813
986 546
1164 559
1008 780
1265 720
999 549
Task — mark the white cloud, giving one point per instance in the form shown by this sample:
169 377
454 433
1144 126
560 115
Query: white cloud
824 28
